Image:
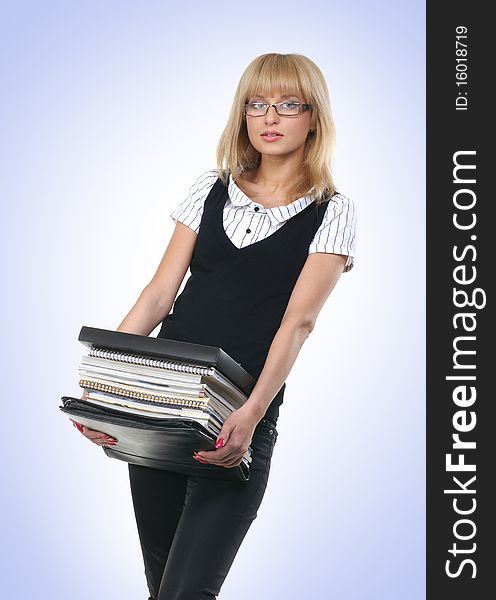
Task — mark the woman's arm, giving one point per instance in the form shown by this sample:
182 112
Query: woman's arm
155 301
315 282
157 298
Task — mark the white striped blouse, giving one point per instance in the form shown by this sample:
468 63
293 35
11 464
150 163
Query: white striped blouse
246 221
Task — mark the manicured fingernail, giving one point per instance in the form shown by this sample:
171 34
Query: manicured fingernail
199 459
220 443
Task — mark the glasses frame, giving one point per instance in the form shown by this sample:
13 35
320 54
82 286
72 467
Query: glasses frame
302 107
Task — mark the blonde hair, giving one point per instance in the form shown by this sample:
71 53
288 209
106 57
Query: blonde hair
292 74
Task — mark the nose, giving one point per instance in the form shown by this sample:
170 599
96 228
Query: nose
271 116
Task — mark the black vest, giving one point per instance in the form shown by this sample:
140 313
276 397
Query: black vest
235 298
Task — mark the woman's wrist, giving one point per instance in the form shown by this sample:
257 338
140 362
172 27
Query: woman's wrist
253 411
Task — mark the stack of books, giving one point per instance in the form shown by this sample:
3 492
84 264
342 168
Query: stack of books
158 397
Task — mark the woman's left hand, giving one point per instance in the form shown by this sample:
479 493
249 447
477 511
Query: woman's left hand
236 433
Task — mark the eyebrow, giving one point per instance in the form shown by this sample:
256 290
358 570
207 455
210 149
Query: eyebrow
285 96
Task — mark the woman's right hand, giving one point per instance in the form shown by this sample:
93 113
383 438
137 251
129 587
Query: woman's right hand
97 437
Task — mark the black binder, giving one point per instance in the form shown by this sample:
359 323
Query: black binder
197 354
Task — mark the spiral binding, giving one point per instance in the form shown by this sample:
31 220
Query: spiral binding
151 362
117 391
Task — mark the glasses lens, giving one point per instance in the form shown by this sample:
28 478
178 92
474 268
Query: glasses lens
256 109
288 108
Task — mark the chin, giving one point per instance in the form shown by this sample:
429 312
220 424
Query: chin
273 148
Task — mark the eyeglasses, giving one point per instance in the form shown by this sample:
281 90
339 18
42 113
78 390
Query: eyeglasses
283 109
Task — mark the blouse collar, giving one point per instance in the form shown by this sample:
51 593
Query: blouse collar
277 214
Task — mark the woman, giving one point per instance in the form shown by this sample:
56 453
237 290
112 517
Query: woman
266 236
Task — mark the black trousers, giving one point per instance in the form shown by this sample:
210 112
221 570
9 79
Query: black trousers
190 528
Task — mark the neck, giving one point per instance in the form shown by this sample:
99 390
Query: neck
274 172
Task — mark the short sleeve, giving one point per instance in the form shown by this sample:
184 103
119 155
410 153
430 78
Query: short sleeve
190 210
337 232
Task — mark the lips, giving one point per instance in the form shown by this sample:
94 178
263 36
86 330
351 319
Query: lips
271 134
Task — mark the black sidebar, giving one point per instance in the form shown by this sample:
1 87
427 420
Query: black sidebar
461 267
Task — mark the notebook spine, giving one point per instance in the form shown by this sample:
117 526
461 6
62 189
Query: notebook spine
117 391
150 362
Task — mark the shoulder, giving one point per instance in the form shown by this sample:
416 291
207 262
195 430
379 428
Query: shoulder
340 203
190 210
203 183
337 232
340 207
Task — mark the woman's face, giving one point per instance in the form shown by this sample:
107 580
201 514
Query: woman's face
293 129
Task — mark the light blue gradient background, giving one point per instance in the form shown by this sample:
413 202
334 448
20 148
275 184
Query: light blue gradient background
109 112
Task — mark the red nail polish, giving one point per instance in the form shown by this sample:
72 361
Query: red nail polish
220 443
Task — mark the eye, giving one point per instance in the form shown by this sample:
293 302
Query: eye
290 104
258 105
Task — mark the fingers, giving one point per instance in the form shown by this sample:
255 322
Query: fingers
97 437
104 441
225 457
